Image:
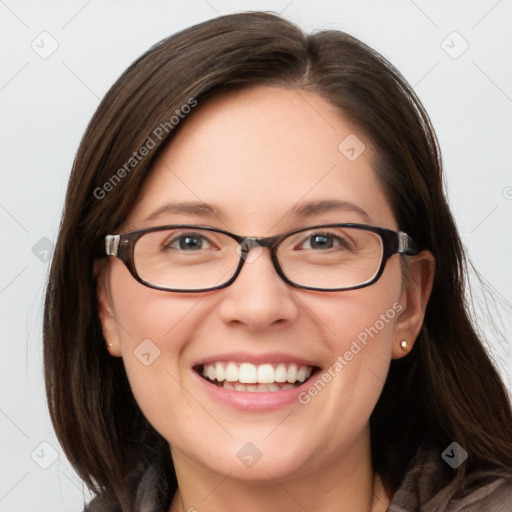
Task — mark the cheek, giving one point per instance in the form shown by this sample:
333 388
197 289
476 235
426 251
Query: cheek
359 329
361 322
154 331
362 328
360 340
143 313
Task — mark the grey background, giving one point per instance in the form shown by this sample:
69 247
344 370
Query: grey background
47 102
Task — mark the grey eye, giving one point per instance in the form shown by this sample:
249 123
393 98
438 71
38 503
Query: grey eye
323 241
188 242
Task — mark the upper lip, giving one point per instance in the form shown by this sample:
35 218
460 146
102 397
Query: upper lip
256 359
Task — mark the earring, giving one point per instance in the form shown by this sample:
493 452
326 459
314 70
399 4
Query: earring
404 346
109 345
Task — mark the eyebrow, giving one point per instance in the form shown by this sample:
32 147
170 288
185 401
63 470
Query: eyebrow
309 209
304 209
185 208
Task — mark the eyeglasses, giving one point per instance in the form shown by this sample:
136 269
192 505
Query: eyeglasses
189 258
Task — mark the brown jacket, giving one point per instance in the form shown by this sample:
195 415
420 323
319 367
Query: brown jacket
424 488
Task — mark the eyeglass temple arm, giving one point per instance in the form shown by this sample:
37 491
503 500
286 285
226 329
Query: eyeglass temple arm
406 244
112 244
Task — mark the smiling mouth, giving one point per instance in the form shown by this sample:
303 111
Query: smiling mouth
253 378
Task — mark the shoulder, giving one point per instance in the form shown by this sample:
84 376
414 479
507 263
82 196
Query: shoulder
429 486
150 491
484 492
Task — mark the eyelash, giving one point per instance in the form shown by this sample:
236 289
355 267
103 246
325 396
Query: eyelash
342 242
176 239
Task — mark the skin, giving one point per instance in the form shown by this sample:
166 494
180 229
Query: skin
256 154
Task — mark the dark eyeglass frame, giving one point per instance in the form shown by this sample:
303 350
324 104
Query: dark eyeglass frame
122 246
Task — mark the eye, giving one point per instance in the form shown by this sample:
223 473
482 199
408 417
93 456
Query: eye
191 242
324 241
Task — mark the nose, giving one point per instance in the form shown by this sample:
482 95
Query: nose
259 298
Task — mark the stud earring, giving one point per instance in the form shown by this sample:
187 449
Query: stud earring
109 345
404 346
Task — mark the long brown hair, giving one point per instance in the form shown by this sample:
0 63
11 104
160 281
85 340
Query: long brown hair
445 390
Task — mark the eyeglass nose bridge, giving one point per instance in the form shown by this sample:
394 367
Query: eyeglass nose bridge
250 243
246 244
251 248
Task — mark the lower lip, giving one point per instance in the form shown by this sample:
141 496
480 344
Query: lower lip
255 401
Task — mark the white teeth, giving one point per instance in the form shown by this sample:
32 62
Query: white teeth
231 372
248 374
302 374
212 374
256 378
220 373
291 374
280 374
266 374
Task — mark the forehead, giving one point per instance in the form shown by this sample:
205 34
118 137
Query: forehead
256 155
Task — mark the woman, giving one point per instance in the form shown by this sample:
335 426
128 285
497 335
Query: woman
256 300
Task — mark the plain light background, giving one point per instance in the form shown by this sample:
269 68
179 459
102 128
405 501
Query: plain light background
47 101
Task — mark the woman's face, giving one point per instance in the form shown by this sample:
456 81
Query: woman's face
251 163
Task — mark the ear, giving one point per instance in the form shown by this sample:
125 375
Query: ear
414 299
105 308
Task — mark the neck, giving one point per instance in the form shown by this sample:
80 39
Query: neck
343 484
